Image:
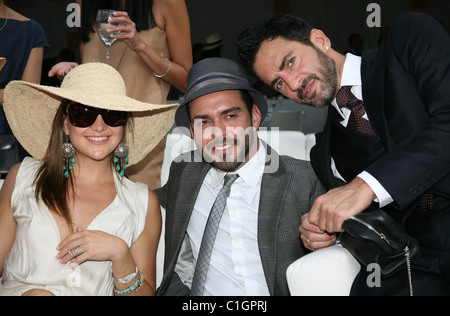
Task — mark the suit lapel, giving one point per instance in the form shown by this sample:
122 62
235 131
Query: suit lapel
321 152
273 191
372 76
192 179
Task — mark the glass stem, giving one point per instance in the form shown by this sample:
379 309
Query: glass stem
108 53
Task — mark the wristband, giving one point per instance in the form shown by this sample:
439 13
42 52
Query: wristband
126 279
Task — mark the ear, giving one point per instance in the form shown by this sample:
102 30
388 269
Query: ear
256 117
66 125
320 40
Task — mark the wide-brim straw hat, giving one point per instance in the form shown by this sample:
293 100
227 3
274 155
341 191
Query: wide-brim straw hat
31 108
2 62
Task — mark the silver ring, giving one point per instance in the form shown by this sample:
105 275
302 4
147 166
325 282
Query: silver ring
75 252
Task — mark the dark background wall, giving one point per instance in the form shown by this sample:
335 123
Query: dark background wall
338 19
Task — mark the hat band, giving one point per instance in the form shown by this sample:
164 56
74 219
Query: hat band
214 78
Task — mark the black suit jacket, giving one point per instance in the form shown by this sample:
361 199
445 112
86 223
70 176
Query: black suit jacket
406 92
286 195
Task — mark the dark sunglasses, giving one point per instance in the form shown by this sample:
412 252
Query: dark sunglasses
81 115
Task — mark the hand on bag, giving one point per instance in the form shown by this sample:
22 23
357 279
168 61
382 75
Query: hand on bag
330 210
313 237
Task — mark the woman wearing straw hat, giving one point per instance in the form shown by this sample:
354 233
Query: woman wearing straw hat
70 224
153 52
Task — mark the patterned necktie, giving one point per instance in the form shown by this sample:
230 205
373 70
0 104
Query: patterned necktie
356 122
209 236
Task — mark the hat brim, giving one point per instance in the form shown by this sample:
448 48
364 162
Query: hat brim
182 116
35 106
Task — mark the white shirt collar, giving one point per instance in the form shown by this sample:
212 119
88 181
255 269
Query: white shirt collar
351 74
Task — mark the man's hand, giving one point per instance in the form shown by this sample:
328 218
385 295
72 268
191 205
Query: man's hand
313 238
331 209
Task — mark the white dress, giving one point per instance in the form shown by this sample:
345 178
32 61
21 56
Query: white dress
31 264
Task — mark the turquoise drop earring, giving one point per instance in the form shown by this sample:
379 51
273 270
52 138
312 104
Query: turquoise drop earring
68 157
121 158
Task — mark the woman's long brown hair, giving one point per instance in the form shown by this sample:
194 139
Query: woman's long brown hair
51 185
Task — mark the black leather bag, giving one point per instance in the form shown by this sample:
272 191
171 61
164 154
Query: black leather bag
375 237
9 152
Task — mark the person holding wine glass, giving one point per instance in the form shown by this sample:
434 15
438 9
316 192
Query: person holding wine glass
104 26
152 52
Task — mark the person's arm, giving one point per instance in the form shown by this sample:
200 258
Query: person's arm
412 167
33 69
171 16
7 222
100 246
145 249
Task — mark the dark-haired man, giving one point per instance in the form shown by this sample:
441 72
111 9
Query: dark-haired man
387 134
261 196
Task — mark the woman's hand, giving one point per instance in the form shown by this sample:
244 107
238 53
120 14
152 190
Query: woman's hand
127 30
61 69
85 245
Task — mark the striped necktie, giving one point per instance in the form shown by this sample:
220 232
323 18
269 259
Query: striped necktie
209 236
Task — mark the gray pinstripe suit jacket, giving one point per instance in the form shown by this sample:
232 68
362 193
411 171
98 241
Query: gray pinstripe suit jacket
286 195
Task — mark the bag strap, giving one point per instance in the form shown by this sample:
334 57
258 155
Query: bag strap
408 266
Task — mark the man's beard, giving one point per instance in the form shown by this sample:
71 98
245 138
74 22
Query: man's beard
328 71
230 162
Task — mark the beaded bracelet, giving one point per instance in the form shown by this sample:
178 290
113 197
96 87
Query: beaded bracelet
136 286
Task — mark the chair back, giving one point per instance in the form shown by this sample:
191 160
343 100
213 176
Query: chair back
9 152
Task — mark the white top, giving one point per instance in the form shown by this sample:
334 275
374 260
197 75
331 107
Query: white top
236 267
31 262
351 76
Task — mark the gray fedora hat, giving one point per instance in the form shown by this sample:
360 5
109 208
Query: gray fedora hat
213 75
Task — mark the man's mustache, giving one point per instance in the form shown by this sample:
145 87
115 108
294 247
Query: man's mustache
305 83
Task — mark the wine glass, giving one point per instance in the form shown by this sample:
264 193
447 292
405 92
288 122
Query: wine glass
103 24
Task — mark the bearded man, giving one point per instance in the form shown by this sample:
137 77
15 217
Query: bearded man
232 216
386 138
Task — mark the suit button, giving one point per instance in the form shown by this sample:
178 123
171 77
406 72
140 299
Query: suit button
412 191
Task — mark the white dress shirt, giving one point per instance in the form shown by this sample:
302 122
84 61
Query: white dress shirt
351 76
236 268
